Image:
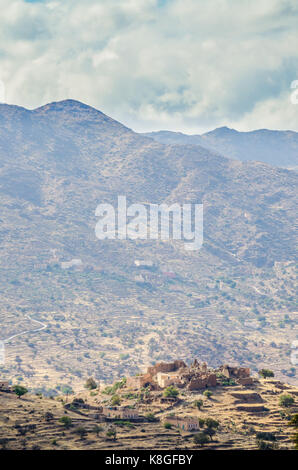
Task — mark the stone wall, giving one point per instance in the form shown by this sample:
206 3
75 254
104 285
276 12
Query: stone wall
235 372
165 367
200 382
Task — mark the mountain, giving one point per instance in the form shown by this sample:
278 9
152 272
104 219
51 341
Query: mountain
277 148
173 138
102 314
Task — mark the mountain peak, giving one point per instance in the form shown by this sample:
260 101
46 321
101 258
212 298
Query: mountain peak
222 131
73 111
68 105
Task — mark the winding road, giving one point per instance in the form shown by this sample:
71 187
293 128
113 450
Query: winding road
27 331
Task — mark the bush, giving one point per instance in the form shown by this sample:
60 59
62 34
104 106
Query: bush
265 373
212 423
151 417
115 387
286 400
210 432
198 404
200 439
90 384
112 434
66 421
81 431
208 393
167 426
115 400
19 390
170 392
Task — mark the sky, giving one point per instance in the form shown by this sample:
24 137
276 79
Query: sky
183 65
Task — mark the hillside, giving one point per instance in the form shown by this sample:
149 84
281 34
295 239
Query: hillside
231 301
276 148
232 416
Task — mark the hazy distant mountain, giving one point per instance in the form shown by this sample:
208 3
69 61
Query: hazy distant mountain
172 138
57 163
278 148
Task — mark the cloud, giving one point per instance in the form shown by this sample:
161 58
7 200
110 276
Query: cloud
182 64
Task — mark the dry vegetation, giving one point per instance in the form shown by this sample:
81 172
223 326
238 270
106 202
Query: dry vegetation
34 422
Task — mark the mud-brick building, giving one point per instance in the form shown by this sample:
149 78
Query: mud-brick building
165 380
114 412
183 423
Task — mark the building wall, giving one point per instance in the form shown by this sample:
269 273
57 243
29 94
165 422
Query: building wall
165 380
119 413
165 367
198 383
187 424
135 382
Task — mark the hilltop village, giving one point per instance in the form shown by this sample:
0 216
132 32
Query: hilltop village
170 405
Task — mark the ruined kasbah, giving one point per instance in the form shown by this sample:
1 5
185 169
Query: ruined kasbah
194 377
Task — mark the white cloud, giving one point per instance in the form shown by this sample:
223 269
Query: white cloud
189 65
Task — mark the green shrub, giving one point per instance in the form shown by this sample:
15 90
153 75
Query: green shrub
66 421
286 400
90 384
201 439
198 404
170 392
211 423
19 390
266 373
151 417
115 400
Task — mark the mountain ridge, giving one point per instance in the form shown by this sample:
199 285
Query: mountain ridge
277 148
55 168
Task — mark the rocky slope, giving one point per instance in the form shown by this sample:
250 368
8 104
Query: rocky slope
241 418
234 297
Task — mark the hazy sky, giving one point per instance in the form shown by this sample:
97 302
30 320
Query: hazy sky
188 65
